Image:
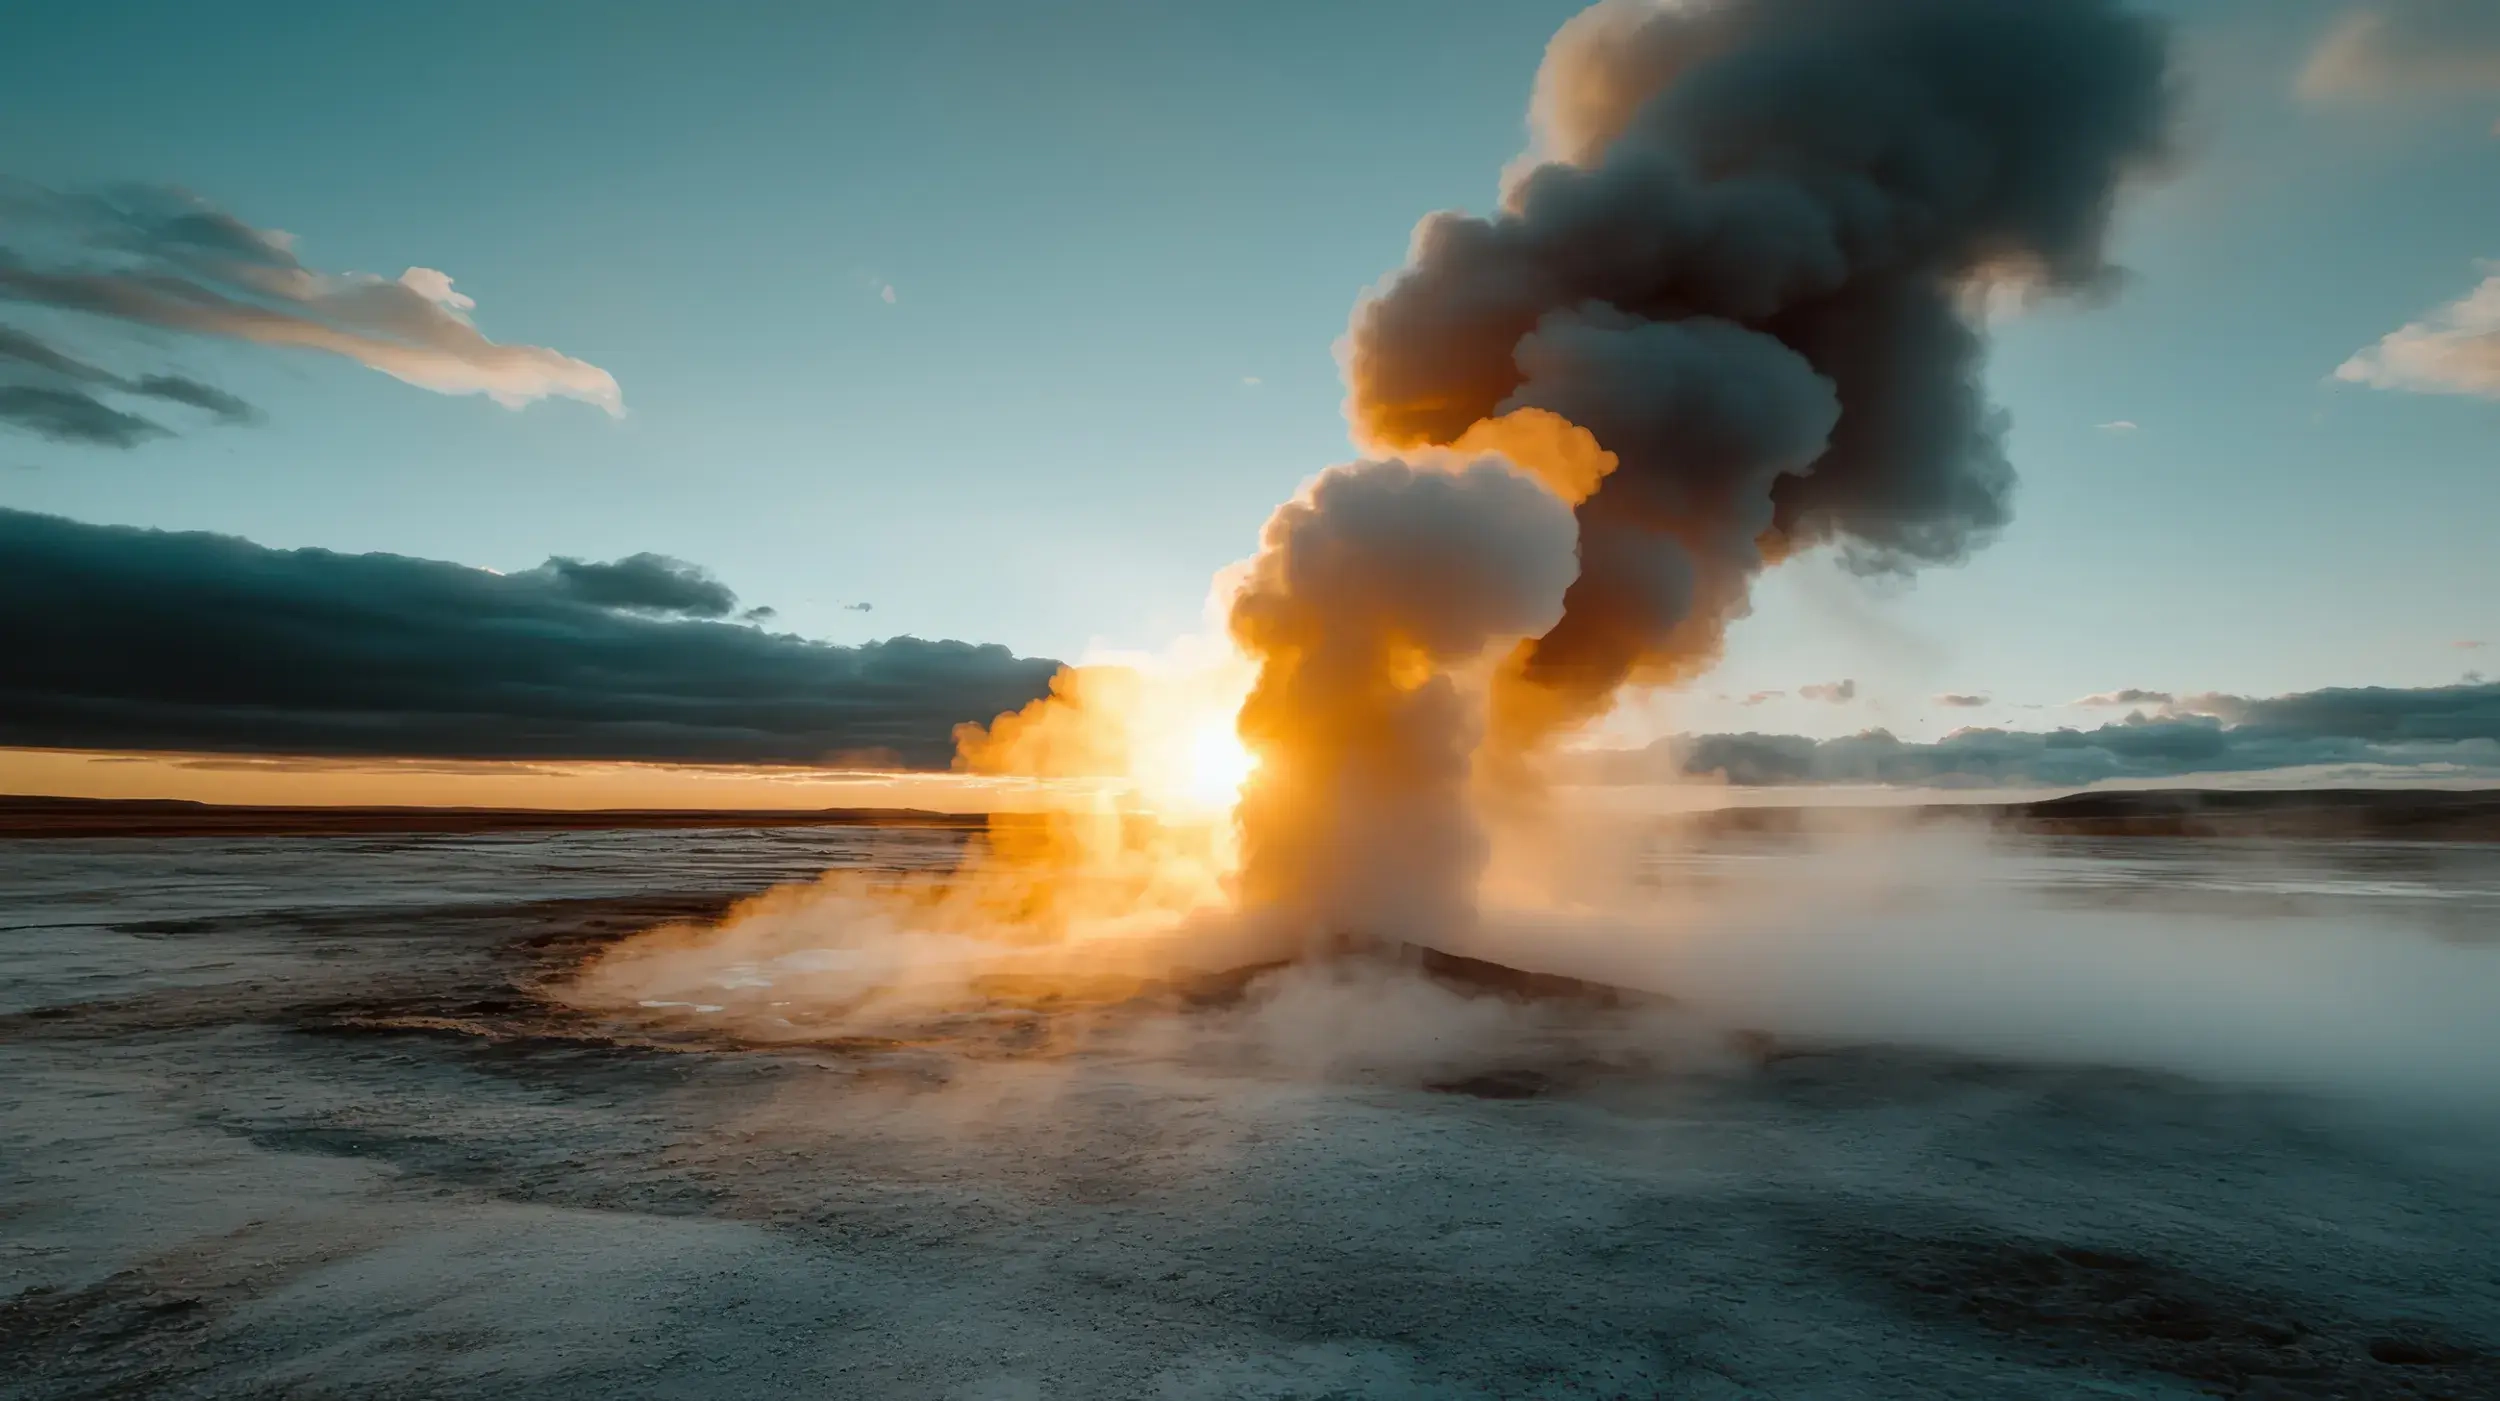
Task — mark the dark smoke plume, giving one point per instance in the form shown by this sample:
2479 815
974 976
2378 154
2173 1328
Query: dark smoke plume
1748 260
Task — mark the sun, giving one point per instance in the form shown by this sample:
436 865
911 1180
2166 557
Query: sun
1218 764
1146 734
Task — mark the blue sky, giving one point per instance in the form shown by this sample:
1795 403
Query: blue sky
1121 241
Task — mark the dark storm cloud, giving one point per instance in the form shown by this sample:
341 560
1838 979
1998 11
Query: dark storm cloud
2433 730
120 638
1747 259
50 393
644 582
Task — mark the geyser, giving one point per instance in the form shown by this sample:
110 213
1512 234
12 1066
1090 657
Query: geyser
1366 592
1728 310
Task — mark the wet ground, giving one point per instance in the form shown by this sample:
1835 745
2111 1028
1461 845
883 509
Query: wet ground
289 1118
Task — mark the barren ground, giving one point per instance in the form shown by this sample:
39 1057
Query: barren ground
284 1118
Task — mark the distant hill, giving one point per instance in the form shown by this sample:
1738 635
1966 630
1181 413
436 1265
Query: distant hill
151 817
2352 814
2373 814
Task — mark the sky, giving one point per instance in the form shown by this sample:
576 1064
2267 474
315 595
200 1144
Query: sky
1013 322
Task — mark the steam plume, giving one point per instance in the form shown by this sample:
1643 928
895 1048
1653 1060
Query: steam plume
1365 595
1744 255
1725 315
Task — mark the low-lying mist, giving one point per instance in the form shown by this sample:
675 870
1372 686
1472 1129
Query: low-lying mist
2229 963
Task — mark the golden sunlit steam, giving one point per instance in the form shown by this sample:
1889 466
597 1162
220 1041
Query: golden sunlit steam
1128 847
1219 764
1151 736
1300 785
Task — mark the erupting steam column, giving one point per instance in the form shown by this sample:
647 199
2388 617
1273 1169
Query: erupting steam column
1355 827
1746 259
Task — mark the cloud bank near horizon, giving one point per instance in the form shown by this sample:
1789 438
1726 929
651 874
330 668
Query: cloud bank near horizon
128 639
2434 732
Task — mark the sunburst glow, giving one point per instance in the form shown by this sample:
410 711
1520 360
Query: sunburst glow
1219 763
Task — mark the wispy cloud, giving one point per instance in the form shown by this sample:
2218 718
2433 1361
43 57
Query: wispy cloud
161 258
2406 48
2453 349
2468 644
53 394
886 294
67 416
2129 696
1836 692
1759 697
1961 702
2117 425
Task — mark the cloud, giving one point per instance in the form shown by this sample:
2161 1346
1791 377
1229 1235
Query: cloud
2117 425
1961 702
2434 731
645 583
24 354
154 257
2406 48
1759 697
859 607
67 416
53 394
2129 696
176 389
2376 713
2468 644
2452 349
885 293
121 638
1837 692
